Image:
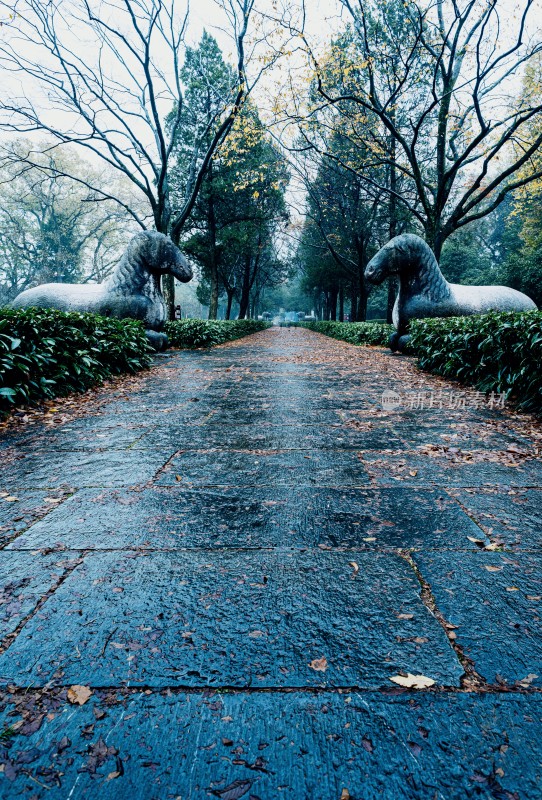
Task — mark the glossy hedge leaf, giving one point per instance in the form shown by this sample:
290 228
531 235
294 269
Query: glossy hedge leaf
190 333
375 333
45 353
496 352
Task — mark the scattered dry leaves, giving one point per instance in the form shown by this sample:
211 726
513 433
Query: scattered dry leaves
78 695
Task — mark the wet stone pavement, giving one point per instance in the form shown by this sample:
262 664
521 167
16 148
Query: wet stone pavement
212 584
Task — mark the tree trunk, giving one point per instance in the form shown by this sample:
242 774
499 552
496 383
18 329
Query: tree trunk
392 281
230 293
434 236
213 303
353 303
168 290
341 303
363 294
333 294
245 290
213 272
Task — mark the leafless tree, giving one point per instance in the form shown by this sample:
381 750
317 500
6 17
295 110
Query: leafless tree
104 75
445 82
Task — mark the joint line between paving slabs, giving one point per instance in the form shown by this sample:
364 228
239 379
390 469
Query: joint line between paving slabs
124 692
465 510
471 680
49 510
10 638
164 466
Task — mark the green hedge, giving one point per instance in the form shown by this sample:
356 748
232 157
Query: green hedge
206 333
45 353
376 333
497 352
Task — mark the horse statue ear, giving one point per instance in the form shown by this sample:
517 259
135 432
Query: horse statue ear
147 246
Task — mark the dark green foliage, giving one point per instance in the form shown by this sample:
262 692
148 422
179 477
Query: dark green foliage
188 333
497 352
523 271
45 353
375 333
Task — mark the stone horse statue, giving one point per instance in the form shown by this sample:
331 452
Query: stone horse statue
425 292
133 289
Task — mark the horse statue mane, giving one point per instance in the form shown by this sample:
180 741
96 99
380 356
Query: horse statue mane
425 292
132 290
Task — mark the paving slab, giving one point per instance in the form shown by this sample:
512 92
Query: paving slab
25 578
58 468
18 512
263 746
257 468
82 434
269 437
413 468
170 518
233 619
255 517
266 413
513 516
495 600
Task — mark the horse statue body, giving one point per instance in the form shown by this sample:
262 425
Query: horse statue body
425 292
132 290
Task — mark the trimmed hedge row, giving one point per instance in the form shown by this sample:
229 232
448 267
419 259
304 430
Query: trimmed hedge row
45 353
496 352
375 333
189 333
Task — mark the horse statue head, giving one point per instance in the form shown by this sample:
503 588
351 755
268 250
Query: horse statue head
403 256
153 252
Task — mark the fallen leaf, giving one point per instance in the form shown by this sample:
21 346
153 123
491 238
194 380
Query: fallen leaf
479 542
370 539
491 568
512 589
534 597
345 795
413 681
319 664
525 682
355 567
413 473
235 790
11 499
513 448
405 616
79 694
178 478
112 776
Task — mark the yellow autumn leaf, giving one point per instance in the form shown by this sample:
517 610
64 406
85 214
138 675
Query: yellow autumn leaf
410 681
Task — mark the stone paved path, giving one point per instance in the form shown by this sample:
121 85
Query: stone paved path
238 557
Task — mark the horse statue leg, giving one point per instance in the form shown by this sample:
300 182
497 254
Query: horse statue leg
157 340
402 343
